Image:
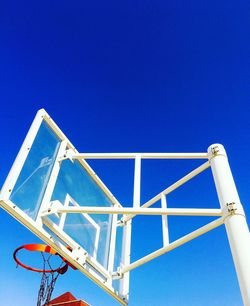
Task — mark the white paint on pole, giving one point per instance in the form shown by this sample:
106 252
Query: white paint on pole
235 220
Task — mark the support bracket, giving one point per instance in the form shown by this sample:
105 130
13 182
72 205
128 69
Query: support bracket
215 150
68 154
231 207
117 274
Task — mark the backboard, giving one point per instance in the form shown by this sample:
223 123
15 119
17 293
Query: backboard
43 177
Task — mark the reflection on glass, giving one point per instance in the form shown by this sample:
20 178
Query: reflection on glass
30 186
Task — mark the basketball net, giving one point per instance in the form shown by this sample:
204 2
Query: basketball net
48 281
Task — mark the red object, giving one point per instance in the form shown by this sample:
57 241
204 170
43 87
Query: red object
66 299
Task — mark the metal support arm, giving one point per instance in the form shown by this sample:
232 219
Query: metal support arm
59 209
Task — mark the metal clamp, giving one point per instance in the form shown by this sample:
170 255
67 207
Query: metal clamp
80 255
215 150
118 274
121 222
52 209
231 207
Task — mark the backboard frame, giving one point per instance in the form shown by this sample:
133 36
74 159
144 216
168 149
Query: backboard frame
76 255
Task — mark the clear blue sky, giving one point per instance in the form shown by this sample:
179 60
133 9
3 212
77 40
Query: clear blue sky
145 76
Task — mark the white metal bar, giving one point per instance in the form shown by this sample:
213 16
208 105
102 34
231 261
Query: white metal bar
165 233
142 155
137 182
112 245
235 219
63 215
126 254
173 245
49 188
22 155
127 229
174 186
140 211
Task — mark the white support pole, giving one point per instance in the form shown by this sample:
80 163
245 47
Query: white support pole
235 220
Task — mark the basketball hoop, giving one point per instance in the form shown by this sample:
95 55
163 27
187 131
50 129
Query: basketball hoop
49 273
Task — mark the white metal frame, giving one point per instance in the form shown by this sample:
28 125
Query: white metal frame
231 212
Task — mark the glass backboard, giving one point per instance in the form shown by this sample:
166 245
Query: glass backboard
43 177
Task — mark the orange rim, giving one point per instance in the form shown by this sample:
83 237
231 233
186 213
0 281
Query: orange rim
40 248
